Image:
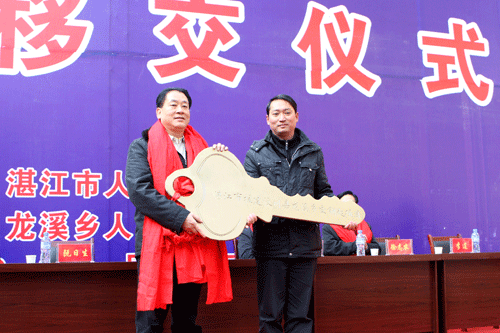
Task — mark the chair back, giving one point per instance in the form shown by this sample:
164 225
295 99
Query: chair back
235 245
381 242
441 241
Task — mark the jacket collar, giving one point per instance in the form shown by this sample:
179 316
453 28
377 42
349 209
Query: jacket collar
305 146
282 144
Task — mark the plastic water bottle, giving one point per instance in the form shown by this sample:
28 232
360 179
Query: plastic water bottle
45 249
360 243
475 241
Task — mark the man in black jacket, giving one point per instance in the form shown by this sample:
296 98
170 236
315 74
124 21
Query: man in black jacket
286 249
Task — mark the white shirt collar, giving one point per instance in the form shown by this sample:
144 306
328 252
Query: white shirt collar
180 145
177 140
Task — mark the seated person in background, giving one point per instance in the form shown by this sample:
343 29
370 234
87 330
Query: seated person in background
341 240
245 243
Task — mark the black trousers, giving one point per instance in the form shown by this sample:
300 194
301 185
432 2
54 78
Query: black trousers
184 310
284 290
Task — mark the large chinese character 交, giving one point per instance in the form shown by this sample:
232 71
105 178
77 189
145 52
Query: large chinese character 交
197 53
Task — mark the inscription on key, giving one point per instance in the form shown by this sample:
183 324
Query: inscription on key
224 195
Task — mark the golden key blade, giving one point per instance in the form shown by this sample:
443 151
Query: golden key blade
224 195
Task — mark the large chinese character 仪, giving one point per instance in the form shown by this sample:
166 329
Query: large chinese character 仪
50 37
342 36
449 54
21 183
198 53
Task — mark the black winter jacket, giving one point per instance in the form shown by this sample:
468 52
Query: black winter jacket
146 199
305 174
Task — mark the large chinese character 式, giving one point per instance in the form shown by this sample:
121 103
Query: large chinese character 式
449 54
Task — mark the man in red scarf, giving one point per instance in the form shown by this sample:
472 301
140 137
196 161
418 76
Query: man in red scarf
173 256
341 241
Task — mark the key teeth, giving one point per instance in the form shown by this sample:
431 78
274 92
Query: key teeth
265 217
357 211
350 211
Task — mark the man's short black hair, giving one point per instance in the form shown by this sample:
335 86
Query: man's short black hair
285 98
160 100
348 193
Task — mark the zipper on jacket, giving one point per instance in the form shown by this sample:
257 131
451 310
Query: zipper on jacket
291 159
286 154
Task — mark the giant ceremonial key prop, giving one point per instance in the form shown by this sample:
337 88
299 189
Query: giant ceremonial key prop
224 195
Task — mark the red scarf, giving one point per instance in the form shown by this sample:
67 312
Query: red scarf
197 259
350 235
